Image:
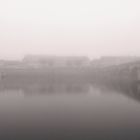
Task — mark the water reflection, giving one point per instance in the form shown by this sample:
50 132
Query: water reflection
39 89
132 90
46 88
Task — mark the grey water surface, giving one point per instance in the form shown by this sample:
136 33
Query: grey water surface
68 111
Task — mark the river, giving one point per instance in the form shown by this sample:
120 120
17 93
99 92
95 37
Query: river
78 111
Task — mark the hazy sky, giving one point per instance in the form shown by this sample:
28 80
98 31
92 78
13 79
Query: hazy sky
69 27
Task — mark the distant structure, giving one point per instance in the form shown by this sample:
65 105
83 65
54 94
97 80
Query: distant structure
11 64
106 61
56 61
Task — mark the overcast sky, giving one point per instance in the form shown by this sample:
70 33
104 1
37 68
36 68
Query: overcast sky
69 27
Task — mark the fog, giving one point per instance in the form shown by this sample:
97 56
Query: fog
77 27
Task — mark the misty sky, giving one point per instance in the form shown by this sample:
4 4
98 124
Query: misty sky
69 27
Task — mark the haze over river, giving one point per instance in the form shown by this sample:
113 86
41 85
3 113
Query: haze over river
68 111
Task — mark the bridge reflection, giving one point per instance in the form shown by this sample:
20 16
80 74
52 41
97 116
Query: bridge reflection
35 88
45 88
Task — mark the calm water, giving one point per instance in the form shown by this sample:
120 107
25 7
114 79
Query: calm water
68 111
